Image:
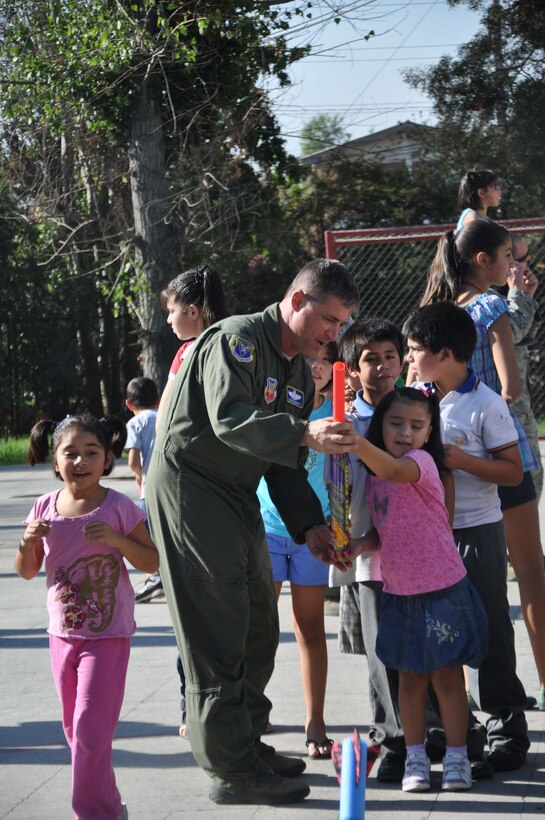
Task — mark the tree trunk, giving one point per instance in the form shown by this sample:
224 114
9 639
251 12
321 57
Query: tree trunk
154 239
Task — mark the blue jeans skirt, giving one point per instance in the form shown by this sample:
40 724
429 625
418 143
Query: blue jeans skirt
436 630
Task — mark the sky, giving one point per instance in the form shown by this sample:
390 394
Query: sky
361 79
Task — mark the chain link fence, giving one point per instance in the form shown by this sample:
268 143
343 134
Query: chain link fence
391 265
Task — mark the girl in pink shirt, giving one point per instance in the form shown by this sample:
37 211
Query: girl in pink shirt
84 532
432 621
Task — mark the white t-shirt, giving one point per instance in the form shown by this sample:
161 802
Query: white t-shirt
478 421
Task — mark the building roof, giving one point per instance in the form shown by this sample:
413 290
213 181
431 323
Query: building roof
379 143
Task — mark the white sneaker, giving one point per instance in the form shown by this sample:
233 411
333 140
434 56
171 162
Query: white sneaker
417 773
456 773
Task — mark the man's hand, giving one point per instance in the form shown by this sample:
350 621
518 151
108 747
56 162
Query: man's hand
319 539
522 277
328 436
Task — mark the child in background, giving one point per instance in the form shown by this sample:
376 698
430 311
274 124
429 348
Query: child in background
465 267
372 350
194 300
142 400
431 618
307 575
84 532
481 449
478 191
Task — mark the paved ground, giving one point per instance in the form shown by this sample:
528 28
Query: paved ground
156 771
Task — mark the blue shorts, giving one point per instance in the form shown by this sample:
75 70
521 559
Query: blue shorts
294 562
511 497
436 630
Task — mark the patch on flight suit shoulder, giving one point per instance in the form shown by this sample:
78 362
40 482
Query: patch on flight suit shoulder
295 396
271 389
242 350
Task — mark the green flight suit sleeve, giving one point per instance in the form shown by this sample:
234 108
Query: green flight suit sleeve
294 498
523 315
231 390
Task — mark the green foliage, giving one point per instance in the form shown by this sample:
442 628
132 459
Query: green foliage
349 195
13 450
490 102
323 131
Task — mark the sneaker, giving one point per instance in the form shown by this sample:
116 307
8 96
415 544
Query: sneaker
456 772
267 790
391 768
504 759
280 764
417 773
124 812
153 588
481 769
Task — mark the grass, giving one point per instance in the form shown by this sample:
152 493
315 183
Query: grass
13 450
541 427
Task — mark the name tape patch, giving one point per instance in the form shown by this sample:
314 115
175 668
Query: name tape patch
295 396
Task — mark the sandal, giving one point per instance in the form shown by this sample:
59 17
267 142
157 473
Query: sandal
326 744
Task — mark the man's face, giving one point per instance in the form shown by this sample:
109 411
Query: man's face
521 254
315 323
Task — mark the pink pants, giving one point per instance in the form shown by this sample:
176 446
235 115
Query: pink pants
89 677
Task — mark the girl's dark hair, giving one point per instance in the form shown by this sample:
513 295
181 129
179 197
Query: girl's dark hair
433 446
46 436
331 355
200 286
454 257
468 196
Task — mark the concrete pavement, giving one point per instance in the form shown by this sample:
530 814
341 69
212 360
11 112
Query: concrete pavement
156 772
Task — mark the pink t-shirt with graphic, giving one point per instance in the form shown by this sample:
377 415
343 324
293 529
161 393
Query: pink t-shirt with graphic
417 553
89 593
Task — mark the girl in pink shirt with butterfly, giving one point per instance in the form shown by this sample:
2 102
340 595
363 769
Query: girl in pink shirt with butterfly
432 621
83 533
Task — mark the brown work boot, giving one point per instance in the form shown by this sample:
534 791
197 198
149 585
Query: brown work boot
267 790
280 764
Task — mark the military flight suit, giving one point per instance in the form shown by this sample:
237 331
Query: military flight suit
525 320
237 411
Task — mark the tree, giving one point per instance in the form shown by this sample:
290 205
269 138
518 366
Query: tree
490 102
323 131
125 124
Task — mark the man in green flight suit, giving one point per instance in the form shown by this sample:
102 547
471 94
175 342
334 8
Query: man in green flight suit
238 410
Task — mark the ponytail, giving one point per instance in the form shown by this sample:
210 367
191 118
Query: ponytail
46 435
200 286
468 196
39 448
454 258
213 302
445 274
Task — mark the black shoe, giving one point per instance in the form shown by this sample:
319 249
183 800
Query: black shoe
436 745
481 769
268 790
280 764
504 759
391 768
153 588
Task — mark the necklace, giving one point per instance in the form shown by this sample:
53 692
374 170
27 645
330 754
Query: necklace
471 285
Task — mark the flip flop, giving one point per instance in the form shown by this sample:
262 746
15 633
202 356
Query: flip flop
327 742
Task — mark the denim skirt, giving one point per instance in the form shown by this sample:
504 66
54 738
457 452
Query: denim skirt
436 630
